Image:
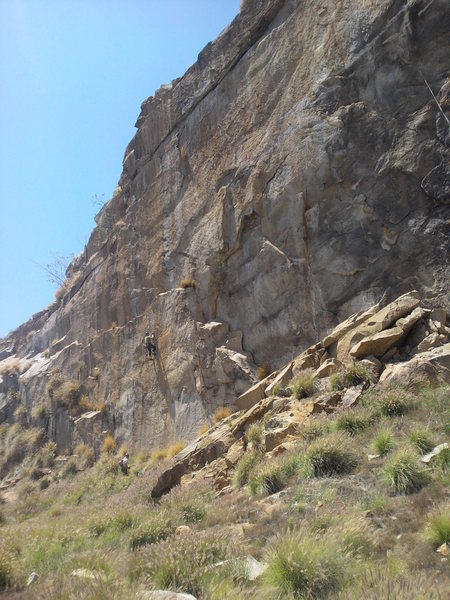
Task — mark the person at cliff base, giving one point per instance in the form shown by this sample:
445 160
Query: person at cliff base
124 464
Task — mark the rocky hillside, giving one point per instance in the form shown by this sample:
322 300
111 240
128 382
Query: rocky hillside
296 174
330 482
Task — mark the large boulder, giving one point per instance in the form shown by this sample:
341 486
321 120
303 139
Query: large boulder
433 366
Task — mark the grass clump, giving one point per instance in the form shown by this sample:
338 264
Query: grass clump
245 466
421 439
181 566
188 282
157 529
255 433
337 382
355 374
314 430
438 530
303 386
404 472
383 441
394 404
330 456
303 566
352 422
268 479
203 429
108 445
175 448
221 413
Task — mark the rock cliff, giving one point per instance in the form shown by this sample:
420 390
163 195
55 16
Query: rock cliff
297 173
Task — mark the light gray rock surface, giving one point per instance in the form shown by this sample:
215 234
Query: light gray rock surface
297 173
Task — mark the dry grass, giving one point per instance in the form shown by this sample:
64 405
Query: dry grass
108 445
203 429
187 282
263 371
221 413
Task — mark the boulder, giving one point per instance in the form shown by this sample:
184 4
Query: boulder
352 395
163 595
381 320
327 402
435 452
379 343
431 341
283 377
348 325
433 365
252 396
327 368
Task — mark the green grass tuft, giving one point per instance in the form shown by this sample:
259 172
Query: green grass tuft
438 530
329 456
303 566
404 472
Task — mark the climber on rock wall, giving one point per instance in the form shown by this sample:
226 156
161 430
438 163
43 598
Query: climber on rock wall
150 344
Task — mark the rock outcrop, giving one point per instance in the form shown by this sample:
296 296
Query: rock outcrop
297 173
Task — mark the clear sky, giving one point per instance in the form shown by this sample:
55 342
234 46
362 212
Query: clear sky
73 74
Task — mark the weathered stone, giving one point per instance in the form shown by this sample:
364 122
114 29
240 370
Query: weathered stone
88 428
252 396
378 344
435 452
327 402
352 395
372 363
32 578
330 366
431 341
283 377
377 323
182 530
275 437
348 325
163 595
433 366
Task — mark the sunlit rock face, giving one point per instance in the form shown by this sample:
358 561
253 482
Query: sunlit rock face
297 173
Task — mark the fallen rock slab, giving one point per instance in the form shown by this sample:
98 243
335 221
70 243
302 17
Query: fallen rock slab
435 452
164 595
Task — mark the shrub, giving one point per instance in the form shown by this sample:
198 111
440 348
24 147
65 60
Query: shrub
352 422
109 445
44 483
54 384
313 430
330 455
47 454
421 439
20 415
188 282
244 467
158 528
69 394
355 374
337 381
159 454
86 454
12 367
394 404
7 561
303 566
268 479
404 472
221 413
383 442
303 386
263 371
40 411
70 469
255 433
180 566
438 530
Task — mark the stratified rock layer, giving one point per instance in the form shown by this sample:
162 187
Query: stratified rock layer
294 175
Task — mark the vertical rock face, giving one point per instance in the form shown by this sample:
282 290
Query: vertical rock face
296 173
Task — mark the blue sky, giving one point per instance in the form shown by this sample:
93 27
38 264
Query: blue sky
73 74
